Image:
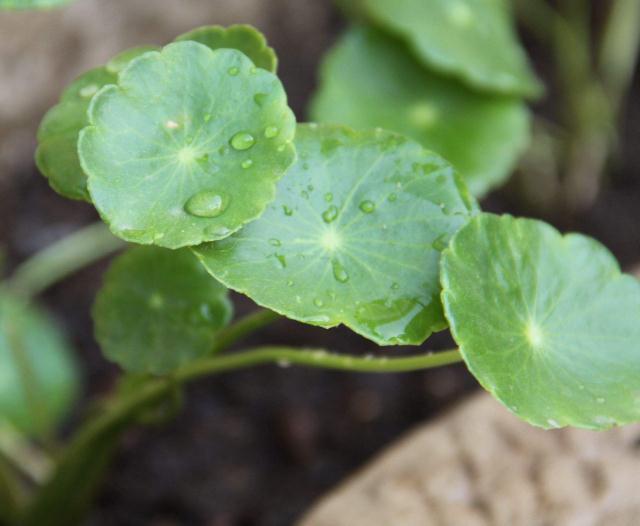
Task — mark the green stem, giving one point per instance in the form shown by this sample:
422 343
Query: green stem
619 49
315 358
63 258
89 452
243 327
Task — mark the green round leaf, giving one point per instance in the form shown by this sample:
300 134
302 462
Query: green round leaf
354 236
31 4
473 40
244 38
548 324
38 377
57 153
370 79
158 309
188 147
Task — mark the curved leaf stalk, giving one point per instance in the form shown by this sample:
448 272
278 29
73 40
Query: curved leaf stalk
63 258
84 462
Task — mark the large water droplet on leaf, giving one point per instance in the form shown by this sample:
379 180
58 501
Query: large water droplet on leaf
339 272
367 206
242 141
208 203
271 131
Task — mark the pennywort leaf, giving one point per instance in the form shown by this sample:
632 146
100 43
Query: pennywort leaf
38 377
158 309
188 146
370 79
353 237
472 40
548 324
57 153
242 37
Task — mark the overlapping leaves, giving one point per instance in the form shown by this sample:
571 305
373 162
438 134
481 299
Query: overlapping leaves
547 323
353 237
57 154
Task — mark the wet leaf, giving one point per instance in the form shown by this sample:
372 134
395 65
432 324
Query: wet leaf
57 154
370 79
472 40
548 324
353 237
158 309
242 37
38 377
188 146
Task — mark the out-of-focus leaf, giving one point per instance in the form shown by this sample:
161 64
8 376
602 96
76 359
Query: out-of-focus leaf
370 79
158 309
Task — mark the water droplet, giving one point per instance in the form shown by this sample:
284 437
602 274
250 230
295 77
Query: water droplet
281 147
392 198
172 125
440 243
233 71
367 207
208 203
207 117
339 272
318 303
275 242
290 283
328 197
247 164
284 363
287 211
305 166
310 188
223 150
271 132
260 98
242 141
395 286
304 194
600 400
330 214
253 70
89 91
